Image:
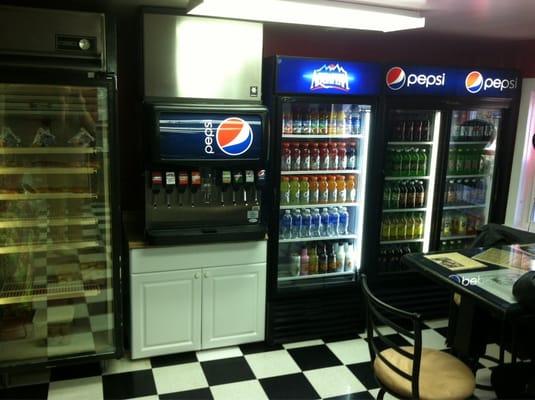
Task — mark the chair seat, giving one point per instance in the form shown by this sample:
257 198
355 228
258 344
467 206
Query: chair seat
442 376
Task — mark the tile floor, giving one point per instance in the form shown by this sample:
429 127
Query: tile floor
306 370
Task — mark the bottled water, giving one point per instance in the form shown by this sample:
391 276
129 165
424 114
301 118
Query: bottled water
286 225
297 221
334 221
344 221
324 222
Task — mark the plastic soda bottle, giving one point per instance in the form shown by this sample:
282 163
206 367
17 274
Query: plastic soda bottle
294 190
324 228
459 161
286 225
285 190
355 120
415 162
342 156
334 221
340 122
286 157
323 121
340 255
397 163
313 261
343 224
351 154
325 162
341 191
287 121
348 260
315 229
296 157
332 121
333 156
304 261
422 169
333 196
306 223
307 122
295 264
386 195
451 160
385 228
323 187
297 121
314 189
331 260
304 190
305 157
406 163
351 189
314 157
419 226
314 120
297 221
323 260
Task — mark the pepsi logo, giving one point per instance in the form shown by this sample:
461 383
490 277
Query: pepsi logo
395 78
474 81
234 136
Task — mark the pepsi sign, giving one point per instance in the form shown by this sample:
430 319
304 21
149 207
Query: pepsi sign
414 80
189 136
329 77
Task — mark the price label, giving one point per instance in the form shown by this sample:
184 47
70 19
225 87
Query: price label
170 179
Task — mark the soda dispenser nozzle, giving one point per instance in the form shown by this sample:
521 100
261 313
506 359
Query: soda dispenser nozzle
170 182
226 180
183 182
195 184
206 186
156 185
237 183
249 183
260 181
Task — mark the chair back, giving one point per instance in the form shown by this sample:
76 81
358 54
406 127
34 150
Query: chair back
379 314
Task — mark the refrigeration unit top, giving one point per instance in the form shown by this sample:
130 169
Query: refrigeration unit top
201 59
42 38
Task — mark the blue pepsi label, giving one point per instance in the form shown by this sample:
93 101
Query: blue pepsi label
186 136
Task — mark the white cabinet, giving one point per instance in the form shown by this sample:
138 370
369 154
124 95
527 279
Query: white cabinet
233 305
186 298
165 312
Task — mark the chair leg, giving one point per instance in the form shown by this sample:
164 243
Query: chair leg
381 394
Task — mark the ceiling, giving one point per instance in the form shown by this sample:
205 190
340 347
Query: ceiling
506 19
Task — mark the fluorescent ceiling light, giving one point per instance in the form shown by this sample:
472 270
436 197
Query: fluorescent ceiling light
337 14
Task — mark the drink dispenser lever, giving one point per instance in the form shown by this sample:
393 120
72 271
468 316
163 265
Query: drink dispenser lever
260 181
225 182
249 183
170 182
237 183
156 185
195 184
183 182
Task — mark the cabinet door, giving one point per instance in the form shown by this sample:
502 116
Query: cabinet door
165 312
233 305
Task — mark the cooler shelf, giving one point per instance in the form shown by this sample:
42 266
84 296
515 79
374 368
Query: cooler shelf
65 246
315 276
401 241
458 237
323 171
44 222
464 206
12 293
459 142
294 206
467 176
395 210
46 171
410 143
404 178
50 150
317 239
46 196
296 136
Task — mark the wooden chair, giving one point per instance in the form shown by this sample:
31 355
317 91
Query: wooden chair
411 372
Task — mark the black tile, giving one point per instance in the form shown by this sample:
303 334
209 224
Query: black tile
364 373
25 392
338 338
101 307
203 393
395 338
259 347
173 359
294 386
227 370
75 371
128 385
443 331
353 396
314 357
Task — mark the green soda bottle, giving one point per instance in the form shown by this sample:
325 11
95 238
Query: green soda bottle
422 170
459 161
406 171
415 162
294 190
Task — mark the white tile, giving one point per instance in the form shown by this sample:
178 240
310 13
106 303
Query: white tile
334 381
433 340
384 330
493 350
484 394
437 323
483 377
305 343
388 396
272 363
125 365
146 398
246 390
102 322
176 378
76 389
351 351
218 354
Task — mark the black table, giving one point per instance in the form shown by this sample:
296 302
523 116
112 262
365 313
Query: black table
470 335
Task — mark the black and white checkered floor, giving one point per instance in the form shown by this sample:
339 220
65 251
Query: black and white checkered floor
305 370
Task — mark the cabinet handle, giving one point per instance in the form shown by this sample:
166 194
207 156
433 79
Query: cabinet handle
206 274
196 275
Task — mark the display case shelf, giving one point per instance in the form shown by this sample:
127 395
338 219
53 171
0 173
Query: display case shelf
322 171
294 206
317 239
296 136
405 178
46 196
456 142
396 143
47 170
63 246
464 207
12 293
40 222
314 276
44 113
400 210
401 241
457 237
467 176
50 150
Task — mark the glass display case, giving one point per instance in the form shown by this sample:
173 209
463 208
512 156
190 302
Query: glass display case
56 266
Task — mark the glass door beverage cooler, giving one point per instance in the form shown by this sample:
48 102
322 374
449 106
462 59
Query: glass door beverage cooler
323 122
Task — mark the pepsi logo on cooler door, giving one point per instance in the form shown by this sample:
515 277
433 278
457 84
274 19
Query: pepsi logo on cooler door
475 82
395 78
233 136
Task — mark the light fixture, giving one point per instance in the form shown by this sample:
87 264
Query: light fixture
336 14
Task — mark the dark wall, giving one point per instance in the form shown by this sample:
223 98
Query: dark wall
408 47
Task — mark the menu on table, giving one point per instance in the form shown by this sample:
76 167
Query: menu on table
454 261
516 256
